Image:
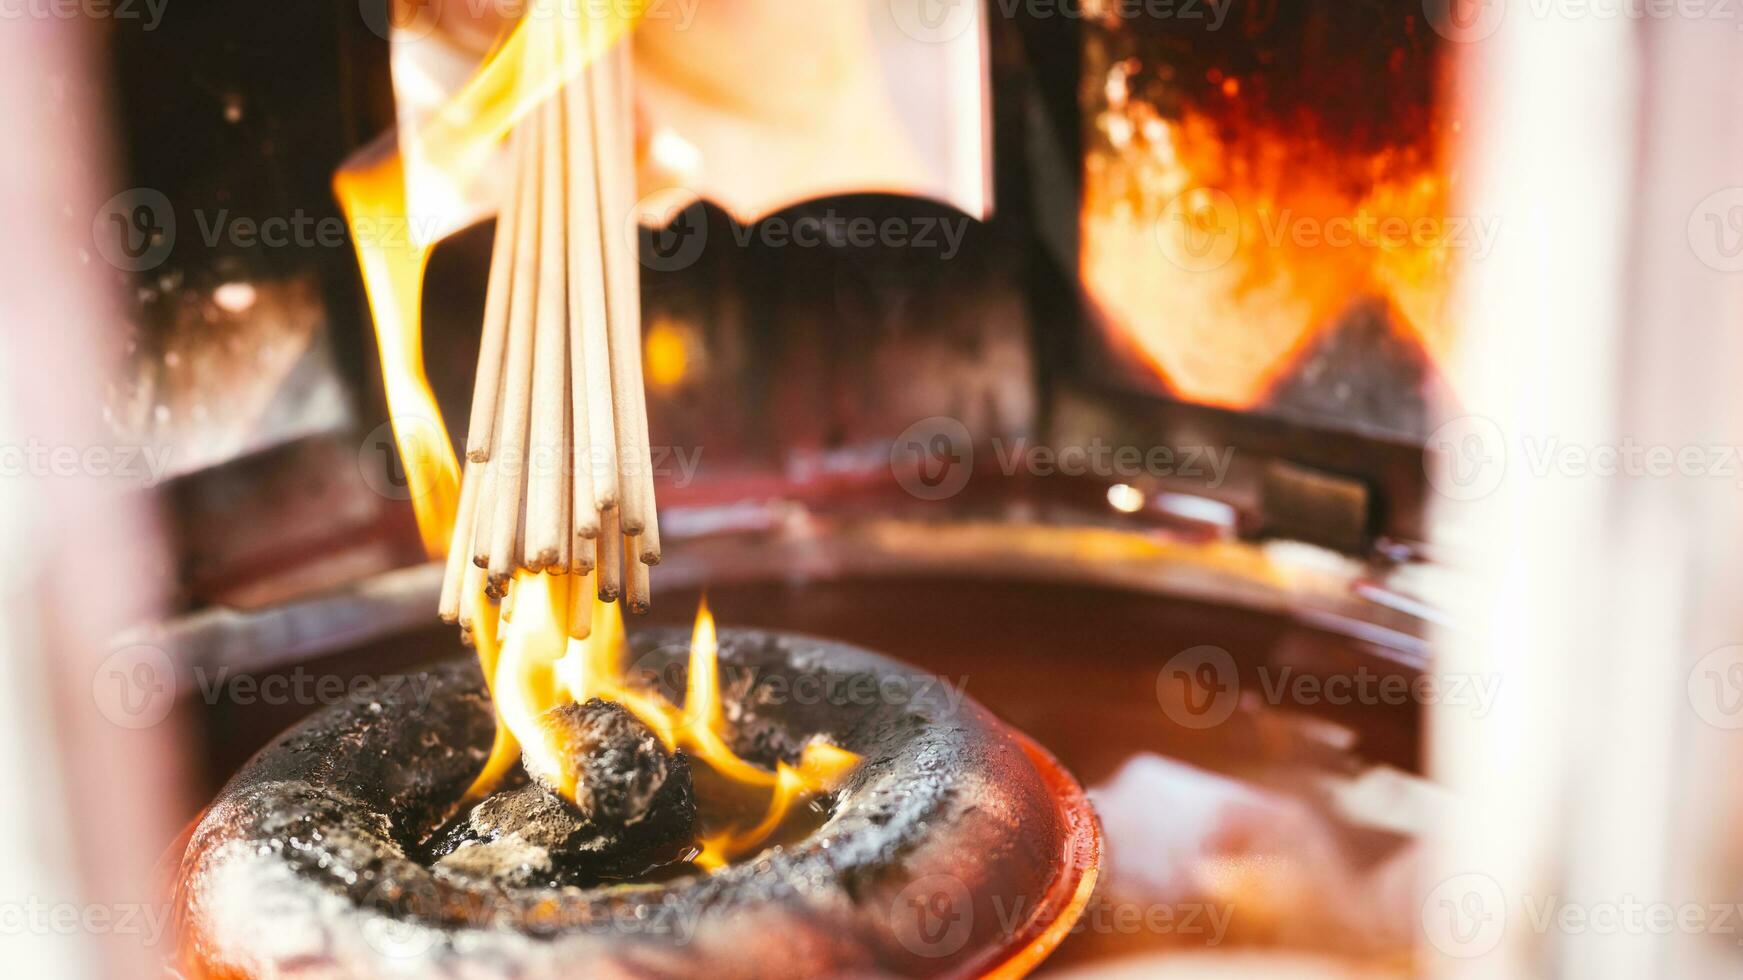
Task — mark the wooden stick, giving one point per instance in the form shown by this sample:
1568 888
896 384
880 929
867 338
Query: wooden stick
566 549
471 596
460 544
547 479
609 570
649 552
510 452
493 339
588 303
484 514
639 595
616 139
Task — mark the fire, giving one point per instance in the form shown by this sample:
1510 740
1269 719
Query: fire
531 660
392 251
539 667
1220 242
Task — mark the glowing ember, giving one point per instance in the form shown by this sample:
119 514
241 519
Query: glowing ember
1231 218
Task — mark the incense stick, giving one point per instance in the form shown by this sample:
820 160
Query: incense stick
460 544
588 308
548 483
558 476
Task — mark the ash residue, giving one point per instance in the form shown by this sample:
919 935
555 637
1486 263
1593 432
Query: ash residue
617 764
526 884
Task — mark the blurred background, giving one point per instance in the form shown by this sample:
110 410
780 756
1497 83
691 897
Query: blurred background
1313 422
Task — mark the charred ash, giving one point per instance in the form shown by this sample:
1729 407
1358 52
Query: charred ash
341 851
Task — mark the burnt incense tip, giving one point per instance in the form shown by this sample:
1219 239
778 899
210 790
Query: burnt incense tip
618 766
609 593
639 607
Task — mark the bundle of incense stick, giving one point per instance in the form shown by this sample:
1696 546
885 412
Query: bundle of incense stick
557 476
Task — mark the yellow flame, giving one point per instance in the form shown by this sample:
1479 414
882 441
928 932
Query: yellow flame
373 198
455 146
1218 258
538 668
531 664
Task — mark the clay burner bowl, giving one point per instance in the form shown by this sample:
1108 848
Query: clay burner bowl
956 848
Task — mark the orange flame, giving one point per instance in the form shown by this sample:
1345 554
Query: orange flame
530 661
540 668
1219 256
452 150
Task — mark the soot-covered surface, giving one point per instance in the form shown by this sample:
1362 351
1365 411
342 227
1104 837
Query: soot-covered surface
315 857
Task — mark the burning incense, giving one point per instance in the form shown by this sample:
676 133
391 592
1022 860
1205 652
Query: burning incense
558 476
